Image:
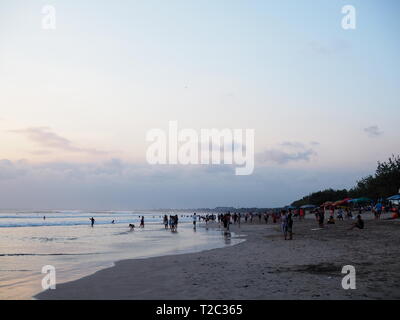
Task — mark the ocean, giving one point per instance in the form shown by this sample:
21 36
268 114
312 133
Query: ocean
65 240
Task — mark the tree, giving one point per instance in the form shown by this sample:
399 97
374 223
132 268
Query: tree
383 184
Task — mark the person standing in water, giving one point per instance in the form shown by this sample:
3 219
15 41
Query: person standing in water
92 221
194 220
166 221
142 222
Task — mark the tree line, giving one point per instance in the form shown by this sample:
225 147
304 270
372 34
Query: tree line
384 183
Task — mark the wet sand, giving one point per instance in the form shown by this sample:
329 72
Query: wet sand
263 267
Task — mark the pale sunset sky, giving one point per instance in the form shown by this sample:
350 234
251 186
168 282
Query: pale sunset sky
76 102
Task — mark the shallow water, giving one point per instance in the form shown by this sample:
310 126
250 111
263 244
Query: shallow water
66 241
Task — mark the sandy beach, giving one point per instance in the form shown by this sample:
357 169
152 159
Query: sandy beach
263 267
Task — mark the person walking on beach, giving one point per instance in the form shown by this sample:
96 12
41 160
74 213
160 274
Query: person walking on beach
226 221
284 223
321 218
301 214
378 210
92 221
290 225
349 213
266 217
316 213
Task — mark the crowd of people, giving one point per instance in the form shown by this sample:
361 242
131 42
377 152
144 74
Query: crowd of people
286 217
171 222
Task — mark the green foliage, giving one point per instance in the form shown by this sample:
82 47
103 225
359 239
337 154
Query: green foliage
384 183
317 198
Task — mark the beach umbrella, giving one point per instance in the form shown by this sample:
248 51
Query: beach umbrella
290 207
327 204
341 202
396 197
361 200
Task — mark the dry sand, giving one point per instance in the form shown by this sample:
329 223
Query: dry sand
263 267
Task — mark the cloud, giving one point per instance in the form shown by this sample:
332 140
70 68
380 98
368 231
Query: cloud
292 144
283 157
115 184
44 137
11 170
373 131
288 151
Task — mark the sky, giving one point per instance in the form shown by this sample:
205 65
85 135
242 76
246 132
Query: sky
77 101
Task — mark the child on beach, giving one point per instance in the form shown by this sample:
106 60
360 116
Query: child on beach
340 214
